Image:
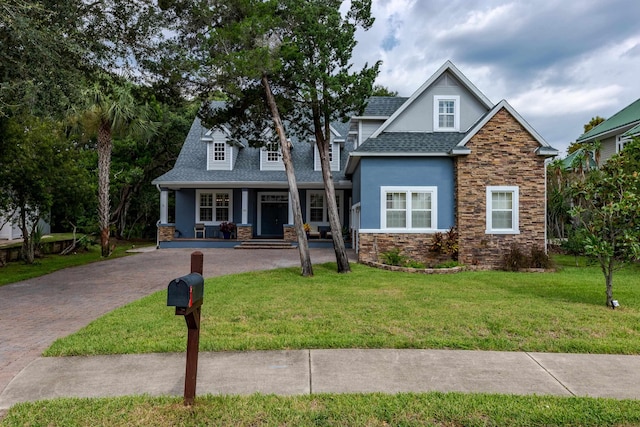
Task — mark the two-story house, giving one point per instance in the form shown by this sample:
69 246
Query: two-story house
405 169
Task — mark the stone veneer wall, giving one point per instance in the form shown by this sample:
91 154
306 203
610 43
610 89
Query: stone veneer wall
413 246
244 232
290 233
502 153
166 233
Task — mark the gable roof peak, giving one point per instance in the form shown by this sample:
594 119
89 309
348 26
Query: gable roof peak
448 66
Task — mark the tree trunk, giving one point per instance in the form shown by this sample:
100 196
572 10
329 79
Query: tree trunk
104 168
323 139
608 276
303 244
27 251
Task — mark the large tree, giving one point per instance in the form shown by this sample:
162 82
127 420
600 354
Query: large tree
48 48
606 206
317 46
38 165
232 48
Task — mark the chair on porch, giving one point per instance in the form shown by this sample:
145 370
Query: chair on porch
199 228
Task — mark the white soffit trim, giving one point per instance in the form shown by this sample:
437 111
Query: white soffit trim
447 66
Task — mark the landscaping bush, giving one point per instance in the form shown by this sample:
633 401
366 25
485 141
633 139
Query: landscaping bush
394 257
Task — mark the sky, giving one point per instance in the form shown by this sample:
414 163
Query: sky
558 63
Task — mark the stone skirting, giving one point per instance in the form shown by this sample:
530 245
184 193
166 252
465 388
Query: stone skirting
290 233
413 246
166 233
244 232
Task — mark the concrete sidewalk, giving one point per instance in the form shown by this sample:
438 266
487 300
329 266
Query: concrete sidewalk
330 371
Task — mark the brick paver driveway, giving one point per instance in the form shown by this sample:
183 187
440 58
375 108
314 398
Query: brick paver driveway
35 312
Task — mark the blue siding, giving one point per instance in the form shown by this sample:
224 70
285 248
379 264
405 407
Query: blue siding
357 187
376 172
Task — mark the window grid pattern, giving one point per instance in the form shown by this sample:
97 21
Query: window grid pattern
206 207
222 207
446 113
219 151
502 210
409 208
316 208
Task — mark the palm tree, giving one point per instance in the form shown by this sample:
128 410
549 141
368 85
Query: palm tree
111 110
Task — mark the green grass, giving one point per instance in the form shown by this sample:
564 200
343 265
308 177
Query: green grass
371 308
17 271
404 409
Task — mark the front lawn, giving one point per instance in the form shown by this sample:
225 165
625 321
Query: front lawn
403 409
371 308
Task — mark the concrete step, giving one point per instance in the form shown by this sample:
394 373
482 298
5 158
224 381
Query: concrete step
265 244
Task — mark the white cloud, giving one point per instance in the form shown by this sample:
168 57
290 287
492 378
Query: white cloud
553 101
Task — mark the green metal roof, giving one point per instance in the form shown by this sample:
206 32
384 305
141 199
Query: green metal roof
570 162
629 115
633 131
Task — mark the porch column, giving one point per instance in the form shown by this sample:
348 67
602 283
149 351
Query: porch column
164 206
245 206
290 209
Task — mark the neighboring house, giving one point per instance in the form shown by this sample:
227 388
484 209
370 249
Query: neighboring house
9 230
616 131
404 170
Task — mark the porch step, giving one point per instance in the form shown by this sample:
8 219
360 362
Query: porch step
265 244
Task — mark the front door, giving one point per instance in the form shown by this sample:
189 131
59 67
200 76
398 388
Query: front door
274 209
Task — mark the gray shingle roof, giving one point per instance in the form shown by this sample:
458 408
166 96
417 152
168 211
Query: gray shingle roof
411 142
383 105
191 165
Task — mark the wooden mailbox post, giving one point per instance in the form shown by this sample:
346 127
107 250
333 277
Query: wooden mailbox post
186 294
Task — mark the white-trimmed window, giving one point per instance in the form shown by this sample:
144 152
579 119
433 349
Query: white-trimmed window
214 206
446 113
503 210
317 207
219 151
273 153
334 157
409 208
621 141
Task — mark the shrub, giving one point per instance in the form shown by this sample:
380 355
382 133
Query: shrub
414 264
446 244
539 259
448 264
437 243
451 244
394 257
514 260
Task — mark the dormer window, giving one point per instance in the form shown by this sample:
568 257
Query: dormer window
219 151
446 113
334 157
273 154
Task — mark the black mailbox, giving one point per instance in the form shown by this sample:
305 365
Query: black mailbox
186 291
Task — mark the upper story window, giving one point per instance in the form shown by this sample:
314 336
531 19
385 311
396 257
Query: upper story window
503 210
409 208
446 113
273 153
334 157
219 151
